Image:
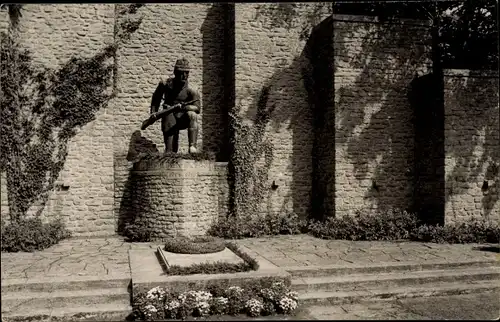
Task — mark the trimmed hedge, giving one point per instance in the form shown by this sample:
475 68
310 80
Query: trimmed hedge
28 235
235 228
390 225
402 225
471 231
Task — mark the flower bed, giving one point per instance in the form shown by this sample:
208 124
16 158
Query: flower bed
259 300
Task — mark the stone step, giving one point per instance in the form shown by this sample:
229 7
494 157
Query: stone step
75 283
396 279
99 312
340 270
391 293
13 301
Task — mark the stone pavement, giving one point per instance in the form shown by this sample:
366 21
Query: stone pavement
304 250
72 257
109 256
483 306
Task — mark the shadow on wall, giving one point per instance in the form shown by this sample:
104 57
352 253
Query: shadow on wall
384 67
215 106
298 94
138 147
475 123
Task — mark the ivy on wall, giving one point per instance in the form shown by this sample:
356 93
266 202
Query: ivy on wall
248 175
42 108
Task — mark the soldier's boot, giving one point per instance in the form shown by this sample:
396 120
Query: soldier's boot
192 137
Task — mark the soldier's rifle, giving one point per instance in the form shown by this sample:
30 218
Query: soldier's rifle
158 115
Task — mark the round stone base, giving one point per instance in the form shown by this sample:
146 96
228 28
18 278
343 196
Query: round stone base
180 198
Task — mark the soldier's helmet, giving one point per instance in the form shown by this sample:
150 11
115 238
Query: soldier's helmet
182 65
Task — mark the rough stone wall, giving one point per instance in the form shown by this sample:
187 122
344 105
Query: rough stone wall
472 145
273 55
4 201
54 34
181 199
374 65
167 32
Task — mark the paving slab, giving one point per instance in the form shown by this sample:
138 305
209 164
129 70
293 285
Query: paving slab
481 306
109 256
306 250
95 257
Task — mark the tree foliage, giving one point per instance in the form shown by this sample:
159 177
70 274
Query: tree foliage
467 30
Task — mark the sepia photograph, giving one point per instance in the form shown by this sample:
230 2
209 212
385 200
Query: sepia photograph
250 161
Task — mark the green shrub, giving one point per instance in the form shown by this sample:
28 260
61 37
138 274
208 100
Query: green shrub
269 225
219 267
255 298
28 235
137 231
197 245
389 225
470 231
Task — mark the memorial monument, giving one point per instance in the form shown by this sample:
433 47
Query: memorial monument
181 107
178 196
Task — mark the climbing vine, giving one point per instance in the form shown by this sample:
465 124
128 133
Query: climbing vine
248 172
42 108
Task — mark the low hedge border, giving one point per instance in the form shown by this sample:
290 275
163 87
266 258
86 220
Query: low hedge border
390 225
219 267
31 234
196 245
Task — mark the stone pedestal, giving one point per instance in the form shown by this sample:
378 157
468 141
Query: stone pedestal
179 199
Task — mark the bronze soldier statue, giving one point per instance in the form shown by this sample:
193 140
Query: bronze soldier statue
181 107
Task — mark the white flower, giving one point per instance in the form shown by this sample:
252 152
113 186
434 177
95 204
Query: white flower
452 12
234 291
268 293
203 296
203 307
174 304
485 12
287 304
221 300
150 309
254 307
155 293
293 295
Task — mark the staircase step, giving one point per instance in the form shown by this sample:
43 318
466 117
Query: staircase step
438 289
340 270
99 312
368 281
75 283
12 301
